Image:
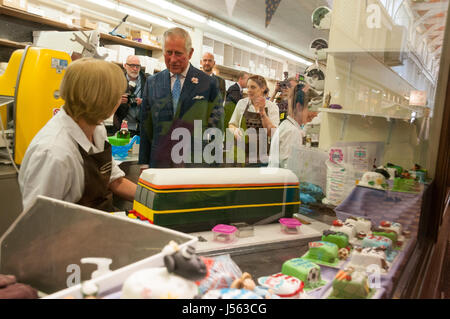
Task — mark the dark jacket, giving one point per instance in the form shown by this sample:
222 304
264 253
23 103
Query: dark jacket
200 100
221 83
234 93
123 111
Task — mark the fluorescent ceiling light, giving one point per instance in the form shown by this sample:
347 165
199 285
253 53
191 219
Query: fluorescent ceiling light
178 10
145 17
236 34
104 3
289 55
134 13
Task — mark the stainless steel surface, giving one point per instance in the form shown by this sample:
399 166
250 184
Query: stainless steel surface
53 234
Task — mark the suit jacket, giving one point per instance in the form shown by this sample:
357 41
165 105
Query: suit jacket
199 100
221 84
234 93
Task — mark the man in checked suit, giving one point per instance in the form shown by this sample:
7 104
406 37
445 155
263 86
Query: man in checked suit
175 98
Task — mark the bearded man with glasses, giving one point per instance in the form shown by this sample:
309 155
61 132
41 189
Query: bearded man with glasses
129 108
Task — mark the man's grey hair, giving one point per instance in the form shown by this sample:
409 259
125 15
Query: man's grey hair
180 33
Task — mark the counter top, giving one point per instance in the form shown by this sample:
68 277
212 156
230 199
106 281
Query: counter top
7 171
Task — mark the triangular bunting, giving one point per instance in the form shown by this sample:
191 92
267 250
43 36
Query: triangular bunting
230 6
271 7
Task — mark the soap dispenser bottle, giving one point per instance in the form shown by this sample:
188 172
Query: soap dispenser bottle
102 265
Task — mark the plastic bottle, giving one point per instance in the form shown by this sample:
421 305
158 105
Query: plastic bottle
102 265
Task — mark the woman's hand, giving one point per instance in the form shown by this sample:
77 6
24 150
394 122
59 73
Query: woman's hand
260 105
237 133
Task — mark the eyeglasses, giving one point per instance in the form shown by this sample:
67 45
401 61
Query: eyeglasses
135 66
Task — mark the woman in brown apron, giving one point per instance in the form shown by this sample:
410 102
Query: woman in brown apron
70 158
259 116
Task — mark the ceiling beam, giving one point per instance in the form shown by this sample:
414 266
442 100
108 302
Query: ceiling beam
443 5
430 31
436 40
435 20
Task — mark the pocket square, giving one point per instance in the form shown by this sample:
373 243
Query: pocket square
198 97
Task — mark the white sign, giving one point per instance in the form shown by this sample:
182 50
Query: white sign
418 98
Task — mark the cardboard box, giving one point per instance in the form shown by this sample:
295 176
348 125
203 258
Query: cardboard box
103 27
34 9
112 54
17 4
85 23
139 34
145 37
122 52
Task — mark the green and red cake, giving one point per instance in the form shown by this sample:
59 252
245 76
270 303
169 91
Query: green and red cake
338 238
306 271
351 284
322 251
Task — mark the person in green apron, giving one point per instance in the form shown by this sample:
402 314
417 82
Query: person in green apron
70 157
253 116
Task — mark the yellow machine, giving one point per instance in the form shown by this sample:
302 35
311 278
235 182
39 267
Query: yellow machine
32 81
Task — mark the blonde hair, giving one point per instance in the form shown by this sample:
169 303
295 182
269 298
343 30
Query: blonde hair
91 89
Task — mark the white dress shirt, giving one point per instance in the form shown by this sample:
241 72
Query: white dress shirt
272 112
53 165
288 135
173 77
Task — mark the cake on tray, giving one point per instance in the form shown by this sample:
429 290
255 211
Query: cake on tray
308 272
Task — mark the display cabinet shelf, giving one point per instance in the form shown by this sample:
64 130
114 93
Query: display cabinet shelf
364 114
23 15
235 72
12 44
231 60
388 75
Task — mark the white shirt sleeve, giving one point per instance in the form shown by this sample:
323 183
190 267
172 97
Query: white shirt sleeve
274 112
290 138
48 175
116 172
274 153
238 112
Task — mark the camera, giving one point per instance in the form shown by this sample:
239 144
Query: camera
132 101
285 84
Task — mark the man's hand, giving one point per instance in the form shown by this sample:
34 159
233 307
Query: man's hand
138 101
124 99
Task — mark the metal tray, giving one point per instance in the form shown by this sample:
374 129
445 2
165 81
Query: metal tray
45 242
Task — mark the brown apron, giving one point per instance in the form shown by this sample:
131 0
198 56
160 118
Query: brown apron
253 120
97 172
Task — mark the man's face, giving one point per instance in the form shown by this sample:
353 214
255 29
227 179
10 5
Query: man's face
207 63
132 66
243 81
175 55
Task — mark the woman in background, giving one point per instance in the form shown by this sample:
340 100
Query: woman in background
254 111
70 157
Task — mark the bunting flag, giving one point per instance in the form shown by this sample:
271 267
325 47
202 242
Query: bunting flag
271 7
230 6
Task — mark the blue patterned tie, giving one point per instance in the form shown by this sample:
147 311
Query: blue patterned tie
176 92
